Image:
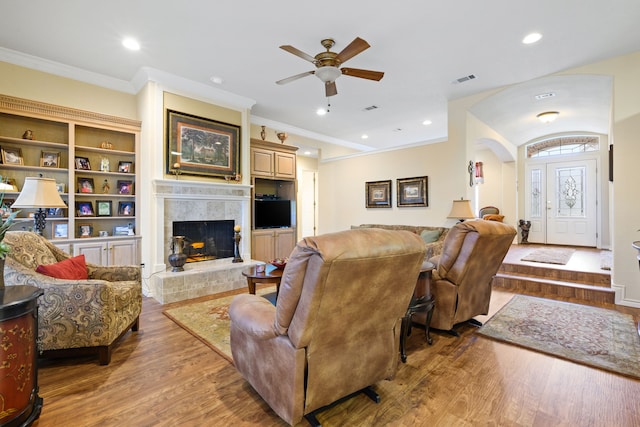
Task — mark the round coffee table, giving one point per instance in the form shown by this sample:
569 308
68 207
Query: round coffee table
253 277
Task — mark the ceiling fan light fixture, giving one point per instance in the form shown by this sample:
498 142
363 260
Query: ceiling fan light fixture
548 116
328 74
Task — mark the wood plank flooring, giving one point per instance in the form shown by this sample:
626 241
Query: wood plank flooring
163 376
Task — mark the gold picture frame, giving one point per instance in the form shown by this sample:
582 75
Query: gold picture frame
378 194
412 191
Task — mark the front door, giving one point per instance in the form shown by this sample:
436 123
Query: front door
561 202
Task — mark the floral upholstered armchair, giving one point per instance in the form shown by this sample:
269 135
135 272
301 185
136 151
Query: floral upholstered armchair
75 316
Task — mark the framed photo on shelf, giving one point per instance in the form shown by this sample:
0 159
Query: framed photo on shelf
125 167
85 185
378 194
56 212
125 187
103 208
121 230
85 230
50 159
412 191
125 208
12 156
60 187
85 209
82 163
201 146
59 229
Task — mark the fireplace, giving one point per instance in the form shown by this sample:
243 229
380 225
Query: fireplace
206 240
181 200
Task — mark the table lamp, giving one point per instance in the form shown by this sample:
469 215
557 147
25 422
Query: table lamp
40 193
461 210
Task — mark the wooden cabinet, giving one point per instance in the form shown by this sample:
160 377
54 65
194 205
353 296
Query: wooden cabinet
92 157
273 177
110 252
273 243
273 160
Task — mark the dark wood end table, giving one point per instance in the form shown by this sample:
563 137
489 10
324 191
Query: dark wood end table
269 275
421 302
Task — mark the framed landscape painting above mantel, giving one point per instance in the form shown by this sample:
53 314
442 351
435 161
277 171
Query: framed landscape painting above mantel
201 146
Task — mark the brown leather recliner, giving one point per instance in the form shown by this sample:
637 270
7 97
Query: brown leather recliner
335 329
461 282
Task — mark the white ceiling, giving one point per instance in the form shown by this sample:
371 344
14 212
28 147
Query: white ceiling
422 46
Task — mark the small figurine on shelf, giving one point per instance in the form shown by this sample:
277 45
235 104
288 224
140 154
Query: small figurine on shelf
28 134
105 187
104 164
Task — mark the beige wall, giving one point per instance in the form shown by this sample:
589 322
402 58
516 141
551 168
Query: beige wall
38 86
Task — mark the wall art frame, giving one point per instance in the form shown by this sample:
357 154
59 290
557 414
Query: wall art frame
200 146
412 192
378 194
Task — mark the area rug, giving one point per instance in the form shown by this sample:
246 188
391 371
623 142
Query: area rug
550 255
209 321
588 335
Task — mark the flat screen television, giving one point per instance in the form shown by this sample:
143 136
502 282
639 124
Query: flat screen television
272 213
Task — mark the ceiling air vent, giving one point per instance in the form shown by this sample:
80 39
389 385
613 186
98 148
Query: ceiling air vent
371 107
464 79
545 95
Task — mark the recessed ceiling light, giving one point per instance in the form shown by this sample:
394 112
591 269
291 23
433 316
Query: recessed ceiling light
217 80
131 43
427 122
365 136
321 111
307 152
531 38
548 116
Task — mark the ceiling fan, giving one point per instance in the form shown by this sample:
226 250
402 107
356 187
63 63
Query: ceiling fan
328 64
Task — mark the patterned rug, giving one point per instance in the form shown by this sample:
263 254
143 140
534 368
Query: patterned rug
550 256
209 321
592 336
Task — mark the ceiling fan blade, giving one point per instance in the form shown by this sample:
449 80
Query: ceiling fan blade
363 74
355 47
330 89
293 78
298 52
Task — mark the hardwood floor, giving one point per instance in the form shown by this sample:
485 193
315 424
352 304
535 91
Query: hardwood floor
163 376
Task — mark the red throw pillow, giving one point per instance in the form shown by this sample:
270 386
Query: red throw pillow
72 268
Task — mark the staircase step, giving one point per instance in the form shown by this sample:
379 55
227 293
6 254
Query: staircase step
543 272
550 288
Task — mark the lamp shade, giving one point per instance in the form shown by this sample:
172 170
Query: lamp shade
39 193
461 209
328 74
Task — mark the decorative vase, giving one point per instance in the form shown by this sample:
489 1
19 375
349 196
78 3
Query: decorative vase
177 259
282 136
263 133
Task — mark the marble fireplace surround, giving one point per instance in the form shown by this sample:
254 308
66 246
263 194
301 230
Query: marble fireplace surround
183 200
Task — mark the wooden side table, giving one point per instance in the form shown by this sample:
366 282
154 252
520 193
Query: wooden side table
421 302
20 403
270 275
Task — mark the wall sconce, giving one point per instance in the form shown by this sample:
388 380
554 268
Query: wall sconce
479 174
548 116
461 209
